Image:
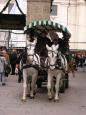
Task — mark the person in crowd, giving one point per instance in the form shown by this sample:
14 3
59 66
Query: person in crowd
13 58
42 40
84 63
2 68
83 58
21 59
19 65
71 64
77 59
7 65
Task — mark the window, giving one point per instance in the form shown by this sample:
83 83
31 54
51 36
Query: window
54 10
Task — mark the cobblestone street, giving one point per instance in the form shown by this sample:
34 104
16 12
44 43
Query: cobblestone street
72 102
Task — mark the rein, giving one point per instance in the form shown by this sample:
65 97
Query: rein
52 52
57 65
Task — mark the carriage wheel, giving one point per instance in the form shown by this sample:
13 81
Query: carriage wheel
39 83
62 86
66 81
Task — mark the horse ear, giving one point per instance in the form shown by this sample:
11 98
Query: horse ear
48 48
57 46
35 41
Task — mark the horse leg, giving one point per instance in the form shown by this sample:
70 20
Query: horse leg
28 89
53 87
24 84
33 84
49 86
58 77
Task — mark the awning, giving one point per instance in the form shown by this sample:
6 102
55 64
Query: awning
46 25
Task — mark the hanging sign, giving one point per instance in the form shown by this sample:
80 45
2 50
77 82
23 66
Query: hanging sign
12 21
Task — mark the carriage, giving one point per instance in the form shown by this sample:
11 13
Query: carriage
51 30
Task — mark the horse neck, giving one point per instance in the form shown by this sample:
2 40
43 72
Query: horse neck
36 59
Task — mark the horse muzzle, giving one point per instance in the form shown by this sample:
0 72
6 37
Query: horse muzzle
52 67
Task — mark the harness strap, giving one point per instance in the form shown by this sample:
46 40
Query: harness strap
28 66
37 58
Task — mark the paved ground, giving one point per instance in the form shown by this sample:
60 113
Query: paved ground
72 102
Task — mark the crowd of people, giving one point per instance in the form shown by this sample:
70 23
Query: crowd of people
76 60
7 63
80 59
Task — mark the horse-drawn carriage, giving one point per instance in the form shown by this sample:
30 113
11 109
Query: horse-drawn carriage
46 57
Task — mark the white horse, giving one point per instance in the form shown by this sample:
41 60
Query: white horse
30 72
54 70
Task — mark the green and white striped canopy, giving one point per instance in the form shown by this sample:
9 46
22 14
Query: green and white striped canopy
46 25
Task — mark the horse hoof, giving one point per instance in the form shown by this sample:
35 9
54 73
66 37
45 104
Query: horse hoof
50 98
31 97
56 100
23 100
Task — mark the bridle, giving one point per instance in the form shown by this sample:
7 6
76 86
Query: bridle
34 54
53 52
48 62
30 45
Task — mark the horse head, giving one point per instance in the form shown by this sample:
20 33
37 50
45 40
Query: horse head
31 50
52 55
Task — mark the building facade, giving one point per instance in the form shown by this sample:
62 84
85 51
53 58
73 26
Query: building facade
72 14
38 10
3 35
10 38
